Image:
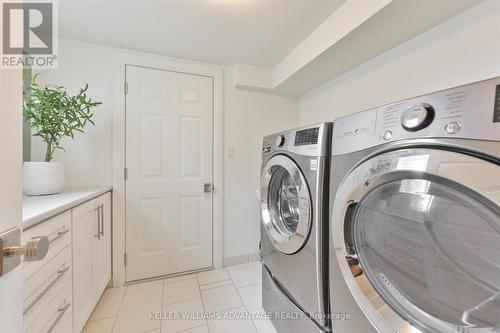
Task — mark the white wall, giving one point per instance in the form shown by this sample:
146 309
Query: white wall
87 159
247 117
461 50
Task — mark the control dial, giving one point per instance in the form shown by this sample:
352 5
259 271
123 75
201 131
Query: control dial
417 117
280 140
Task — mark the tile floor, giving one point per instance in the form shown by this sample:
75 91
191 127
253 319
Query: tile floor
231 292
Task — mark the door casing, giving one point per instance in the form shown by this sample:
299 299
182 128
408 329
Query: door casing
121 59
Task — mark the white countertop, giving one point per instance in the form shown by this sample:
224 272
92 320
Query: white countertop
37 209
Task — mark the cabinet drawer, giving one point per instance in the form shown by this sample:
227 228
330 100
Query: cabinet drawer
56 316
58 230
41 287
48 277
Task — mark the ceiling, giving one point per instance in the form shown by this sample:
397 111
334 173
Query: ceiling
254 32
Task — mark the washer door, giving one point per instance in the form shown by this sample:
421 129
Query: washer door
417 236
285 204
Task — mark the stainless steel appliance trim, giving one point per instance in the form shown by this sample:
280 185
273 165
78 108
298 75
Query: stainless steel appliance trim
321 241
367 175
60 274
283 242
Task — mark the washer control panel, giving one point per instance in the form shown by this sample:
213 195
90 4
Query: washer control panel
280 140
314 140
471 111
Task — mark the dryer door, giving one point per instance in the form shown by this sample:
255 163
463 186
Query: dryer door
286 211
417 235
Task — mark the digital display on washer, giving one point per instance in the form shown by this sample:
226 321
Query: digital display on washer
307 137
496 111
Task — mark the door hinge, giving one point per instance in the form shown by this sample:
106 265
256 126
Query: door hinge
125 87
125 259
125 174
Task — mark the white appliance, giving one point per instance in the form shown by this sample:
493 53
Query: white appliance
415 223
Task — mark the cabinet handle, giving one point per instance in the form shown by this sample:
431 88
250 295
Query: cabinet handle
60 274
102 220
61 311
98 209
59 235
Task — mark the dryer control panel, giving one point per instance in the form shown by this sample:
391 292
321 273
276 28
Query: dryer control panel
469 112
354 132
466 112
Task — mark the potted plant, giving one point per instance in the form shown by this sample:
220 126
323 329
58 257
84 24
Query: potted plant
54 114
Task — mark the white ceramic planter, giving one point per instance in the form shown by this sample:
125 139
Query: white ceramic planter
41 178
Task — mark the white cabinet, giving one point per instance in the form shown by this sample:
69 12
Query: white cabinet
91 256
47 302
101 257
62 290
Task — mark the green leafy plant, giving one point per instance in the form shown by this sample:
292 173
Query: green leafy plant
55 114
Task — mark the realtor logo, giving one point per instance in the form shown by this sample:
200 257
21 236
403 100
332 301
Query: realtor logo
29 34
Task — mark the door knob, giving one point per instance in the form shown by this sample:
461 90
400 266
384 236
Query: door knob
208 187
36 249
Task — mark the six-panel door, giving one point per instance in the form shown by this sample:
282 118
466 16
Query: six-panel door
169 160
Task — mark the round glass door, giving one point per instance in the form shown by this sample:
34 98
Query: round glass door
285 204
419 230
433 246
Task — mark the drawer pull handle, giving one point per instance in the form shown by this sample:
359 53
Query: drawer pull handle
98 209
102 220
60 274
61 311
59 235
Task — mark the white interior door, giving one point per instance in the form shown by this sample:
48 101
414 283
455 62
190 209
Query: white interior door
169 142
11 192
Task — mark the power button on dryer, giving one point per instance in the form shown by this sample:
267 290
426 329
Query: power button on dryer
452 128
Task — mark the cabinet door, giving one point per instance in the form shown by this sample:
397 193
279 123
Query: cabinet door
102 254
84 233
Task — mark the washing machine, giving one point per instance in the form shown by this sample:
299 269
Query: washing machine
415 221
294 228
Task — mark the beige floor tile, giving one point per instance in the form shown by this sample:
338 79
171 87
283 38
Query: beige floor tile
140 293
180 291
262 322
100 326
190 315
179 278
233 323
212 276
220 299
258 266
264 326
137 318
240 266
216 284
115 290
108 305
200 329
251 296
245 276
